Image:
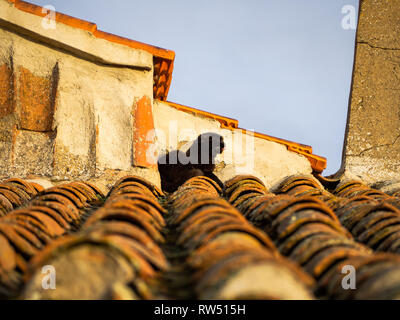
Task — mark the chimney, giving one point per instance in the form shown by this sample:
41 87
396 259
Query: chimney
372 141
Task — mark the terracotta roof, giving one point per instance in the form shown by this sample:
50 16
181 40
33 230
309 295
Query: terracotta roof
201 242
323 232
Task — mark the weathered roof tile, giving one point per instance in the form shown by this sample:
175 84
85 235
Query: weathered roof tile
306 230
196 244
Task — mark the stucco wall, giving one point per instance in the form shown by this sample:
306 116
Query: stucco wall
244 154
78 40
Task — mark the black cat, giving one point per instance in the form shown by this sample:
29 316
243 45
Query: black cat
176 166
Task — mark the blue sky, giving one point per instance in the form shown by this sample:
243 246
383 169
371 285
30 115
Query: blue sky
281 67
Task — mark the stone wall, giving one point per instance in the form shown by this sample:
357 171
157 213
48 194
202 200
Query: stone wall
65 116
372 145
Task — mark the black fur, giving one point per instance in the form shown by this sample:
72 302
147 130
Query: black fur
199 160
